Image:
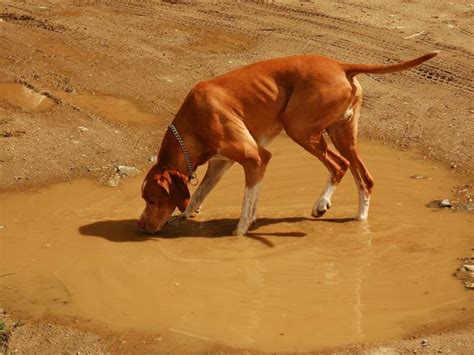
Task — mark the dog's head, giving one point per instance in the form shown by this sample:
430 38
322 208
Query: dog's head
162 191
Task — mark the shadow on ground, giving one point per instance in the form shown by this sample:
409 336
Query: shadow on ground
126 230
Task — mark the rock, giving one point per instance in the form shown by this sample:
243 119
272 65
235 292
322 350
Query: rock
82 129
113 181
3 311
127 170
440 204
424 342
153 159
469 285
417 177
445 203
468 267
2 226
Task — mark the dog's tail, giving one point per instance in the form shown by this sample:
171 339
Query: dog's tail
354 69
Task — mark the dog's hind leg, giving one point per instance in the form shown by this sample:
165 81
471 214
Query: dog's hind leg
335 163
215 170
337 166
344 137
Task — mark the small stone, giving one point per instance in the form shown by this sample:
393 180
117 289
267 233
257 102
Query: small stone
3 311
469 285
440 204
127 170
445 203
153 159
2 226
113 181
82 129
468 267
424 342
417 177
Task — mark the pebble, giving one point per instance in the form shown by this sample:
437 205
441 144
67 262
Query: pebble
153 159
127 170
440 204
469 285
424 342
2 226
468 267
417 177
82 129
445 203
3 311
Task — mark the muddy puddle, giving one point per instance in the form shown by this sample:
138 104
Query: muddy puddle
108 107
111 108
21 96
295 284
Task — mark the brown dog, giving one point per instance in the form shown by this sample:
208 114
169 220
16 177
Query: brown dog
232 117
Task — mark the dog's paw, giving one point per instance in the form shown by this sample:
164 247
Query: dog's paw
191 212
321 208
239 231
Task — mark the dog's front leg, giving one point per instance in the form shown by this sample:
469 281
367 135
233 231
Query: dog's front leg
254 172
249 209
215 170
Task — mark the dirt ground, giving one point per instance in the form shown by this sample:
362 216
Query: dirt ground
114 73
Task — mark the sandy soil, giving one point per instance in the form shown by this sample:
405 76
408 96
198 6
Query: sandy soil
96 60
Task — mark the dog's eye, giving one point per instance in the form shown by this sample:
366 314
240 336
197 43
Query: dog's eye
151 201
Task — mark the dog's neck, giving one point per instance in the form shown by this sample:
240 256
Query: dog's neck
171 155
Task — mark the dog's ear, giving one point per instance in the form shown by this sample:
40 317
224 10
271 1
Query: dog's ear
164 180
179 191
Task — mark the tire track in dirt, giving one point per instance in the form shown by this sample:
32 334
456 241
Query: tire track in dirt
337 37
384 46
27 20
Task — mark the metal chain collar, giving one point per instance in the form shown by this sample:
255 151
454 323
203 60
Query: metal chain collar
191 174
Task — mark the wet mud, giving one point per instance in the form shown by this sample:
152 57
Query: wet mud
295 283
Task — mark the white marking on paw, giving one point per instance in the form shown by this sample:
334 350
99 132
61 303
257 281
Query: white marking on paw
364 203
249 208
323 203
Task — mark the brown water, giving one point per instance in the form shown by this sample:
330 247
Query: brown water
21 96
109 107
296 284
